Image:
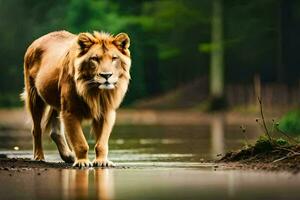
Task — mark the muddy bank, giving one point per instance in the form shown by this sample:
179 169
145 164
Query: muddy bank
288 166
25 163
258 163
275 156
14 164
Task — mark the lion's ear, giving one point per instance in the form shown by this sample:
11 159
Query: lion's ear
122 41
85 41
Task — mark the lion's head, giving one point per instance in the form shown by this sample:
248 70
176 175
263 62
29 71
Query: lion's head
102 60
101 67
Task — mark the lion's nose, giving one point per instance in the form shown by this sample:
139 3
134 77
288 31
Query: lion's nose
105 75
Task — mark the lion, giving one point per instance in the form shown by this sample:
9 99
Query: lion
69 78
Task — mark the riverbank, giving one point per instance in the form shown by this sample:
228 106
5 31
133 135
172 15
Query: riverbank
265 154
259 163
18 118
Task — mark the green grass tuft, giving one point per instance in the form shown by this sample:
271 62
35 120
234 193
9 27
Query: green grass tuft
290 123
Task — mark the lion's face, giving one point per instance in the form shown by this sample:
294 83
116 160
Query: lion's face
102 60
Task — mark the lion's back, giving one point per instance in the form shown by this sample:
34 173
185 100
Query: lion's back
49 48
53 38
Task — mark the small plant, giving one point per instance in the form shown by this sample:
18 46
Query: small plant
275 129
267 148
268 143
263 121
282 142
243 128
263 144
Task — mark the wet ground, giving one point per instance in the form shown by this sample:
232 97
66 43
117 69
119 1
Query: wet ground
154 162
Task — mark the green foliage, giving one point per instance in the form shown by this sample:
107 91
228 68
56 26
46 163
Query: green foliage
86 15
282 142
290 123
263 144
171 39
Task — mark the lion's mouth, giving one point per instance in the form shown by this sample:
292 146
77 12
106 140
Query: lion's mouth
107 86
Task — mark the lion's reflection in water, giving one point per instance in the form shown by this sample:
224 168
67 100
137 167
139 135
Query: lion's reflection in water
88 184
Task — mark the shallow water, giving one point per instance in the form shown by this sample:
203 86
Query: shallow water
162 162
148 183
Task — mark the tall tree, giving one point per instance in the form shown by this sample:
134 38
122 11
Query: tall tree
217 55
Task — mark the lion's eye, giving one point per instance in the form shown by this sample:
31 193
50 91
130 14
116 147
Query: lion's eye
95 58
114 58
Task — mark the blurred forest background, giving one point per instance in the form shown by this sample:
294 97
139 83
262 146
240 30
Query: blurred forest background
185 52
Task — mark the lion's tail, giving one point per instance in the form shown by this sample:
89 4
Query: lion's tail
33 103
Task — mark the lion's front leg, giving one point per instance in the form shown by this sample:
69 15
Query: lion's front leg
102 129
76 137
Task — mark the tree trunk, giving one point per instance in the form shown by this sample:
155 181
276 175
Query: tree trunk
217 56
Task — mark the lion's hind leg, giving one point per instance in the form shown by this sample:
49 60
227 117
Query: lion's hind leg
57 134
36 108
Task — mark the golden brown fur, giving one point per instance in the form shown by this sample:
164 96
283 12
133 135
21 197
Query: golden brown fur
77 77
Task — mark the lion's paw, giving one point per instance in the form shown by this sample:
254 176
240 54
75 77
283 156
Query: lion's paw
68 157
82 163
103 163
39 158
